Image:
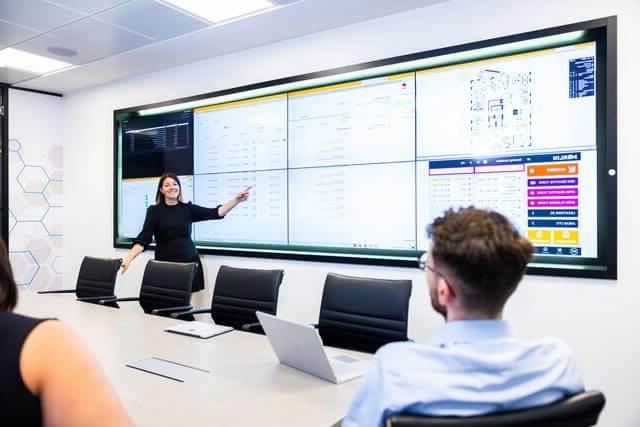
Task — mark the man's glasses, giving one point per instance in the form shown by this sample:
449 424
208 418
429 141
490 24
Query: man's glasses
423 264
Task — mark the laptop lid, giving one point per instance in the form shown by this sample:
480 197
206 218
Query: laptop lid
199 329
300 347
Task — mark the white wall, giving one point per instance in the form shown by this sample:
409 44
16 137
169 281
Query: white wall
598 318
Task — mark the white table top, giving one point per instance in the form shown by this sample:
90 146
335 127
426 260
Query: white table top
246 385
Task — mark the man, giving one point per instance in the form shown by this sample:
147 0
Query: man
472 365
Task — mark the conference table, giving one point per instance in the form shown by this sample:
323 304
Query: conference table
245 385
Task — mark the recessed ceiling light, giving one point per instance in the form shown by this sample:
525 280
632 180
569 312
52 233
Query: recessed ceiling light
17 59
217 11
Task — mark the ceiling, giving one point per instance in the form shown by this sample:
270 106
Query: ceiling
116 39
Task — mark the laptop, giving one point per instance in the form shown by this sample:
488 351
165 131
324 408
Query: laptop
300 347
199 329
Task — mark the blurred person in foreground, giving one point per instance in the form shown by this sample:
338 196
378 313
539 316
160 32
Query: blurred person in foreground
48 376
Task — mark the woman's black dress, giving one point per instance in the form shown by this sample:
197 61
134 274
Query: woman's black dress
171 227
17 405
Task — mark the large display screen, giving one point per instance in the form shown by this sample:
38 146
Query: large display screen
354 165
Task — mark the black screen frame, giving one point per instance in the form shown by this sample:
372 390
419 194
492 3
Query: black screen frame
603 31
4 164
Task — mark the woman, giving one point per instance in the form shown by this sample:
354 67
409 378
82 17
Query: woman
47 374
169 220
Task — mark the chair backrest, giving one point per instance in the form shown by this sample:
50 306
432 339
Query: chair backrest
240 292
97 277
580 410
363 314
166 284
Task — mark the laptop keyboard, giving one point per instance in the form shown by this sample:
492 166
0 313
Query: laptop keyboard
345 359
341 369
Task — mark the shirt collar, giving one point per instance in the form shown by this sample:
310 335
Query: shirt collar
468 331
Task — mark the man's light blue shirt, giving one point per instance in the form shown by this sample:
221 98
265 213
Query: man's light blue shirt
468 367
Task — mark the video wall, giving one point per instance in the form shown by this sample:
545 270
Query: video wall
354 165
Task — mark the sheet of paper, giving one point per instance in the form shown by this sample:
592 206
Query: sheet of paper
166 368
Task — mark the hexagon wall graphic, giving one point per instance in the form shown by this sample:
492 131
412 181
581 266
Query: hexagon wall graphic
12 221
24 266
33 179
35 213
14 145
25 231
53 193
52 221
15 167
56 242
55 282
57 265
28 206
43 277
40 249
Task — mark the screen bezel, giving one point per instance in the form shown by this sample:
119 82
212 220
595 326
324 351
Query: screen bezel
603 31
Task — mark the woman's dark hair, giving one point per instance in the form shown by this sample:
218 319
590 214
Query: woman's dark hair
159 195
8 290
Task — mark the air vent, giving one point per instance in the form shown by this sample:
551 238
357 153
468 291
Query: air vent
61 51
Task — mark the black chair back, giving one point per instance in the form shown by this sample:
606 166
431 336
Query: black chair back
580 410
97 277
166 284
363 314
240 292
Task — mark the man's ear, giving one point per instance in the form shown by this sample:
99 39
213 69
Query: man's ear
445 293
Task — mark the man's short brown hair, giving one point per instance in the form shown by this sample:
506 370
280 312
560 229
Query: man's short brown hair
482 254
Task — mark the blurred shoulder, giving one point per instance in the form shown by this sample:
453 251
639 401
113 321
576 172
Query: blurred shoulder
395 350
52 335
551 349
554 344
49 347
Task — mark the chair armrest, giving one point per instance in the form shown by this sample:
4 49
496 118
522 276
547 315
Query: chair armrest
59 291
108 300
97 299
254 327
192 311
171 309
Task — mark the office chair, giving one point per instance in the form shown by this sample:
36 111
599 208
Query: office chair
238 294
96 280
165 288
363 314
579 410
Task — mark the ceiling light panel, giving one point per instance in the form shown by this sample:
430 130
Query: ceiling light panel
221 10
11 76
159 21
37 64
